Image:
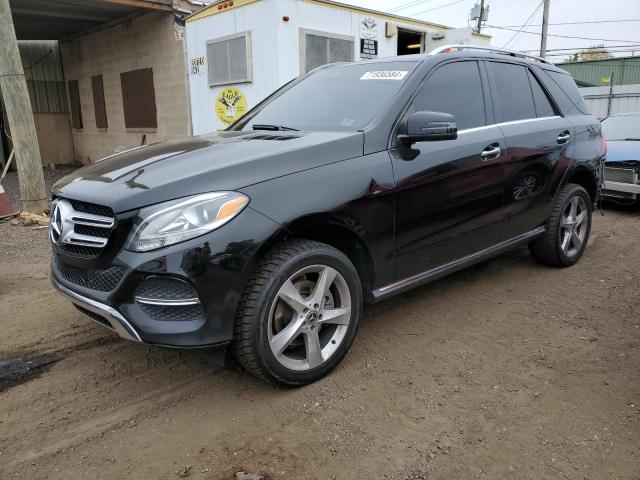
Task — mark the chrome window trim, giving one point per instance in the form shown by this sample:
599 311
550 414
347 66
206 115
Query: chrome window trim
512 122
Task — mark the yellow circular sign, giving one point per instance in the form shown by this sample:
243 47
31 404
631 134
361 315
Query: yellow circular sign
231 104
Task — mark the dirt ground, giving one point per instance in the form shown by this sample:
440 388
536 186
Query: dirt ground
506 370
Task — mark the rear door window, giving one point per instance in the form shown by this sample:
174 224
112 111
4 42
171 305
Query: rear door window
454 88
542 103
515 99
570 89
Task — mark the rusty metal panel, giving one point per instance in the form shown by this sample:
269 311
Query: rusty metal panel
74 101
99 107
139 99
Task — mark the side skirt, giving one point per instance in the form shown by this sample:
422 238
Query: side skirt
451 267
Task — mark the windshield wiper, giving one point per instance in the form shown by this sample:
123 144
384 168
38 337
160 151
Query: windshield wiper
636 139
274 127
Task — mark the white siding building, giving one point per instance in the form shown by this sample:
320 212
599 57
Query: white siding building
239 51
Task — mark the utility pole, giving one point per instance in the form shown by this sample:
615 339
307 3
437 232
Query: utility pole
23 130
545 27
480 16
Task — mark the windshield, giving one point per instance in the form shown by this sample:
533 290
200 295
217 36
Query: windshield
338 98
623 127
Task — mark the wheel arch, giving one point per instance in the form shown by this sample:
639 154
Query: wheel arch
334 231
586 178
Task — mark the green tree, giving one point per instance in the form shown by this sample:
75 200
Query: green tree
594 52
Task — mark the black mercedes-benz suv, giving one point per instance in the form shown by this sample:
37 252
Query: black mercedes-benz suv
352 183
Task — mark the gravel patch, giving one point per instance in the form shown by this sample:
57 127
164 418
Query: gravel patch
12 187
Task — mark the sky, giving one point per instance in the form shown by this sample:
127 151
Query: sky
513 14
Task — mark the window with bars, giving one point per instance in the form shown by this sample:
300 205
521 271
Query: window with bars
229 59
319 48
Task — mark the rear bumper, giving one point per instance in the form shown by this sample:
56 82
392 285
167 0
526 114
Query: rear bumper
100 313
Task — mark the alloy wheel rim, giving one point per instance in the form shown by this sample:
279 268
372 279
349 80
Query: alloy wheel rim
573 226
309 317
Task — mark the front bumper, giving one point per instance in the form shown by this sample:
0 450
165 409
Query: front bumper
621 187
100 313
216 267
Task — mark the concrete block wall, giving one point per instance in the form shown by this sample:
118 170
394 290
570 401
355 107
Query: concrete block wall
54 138
141 42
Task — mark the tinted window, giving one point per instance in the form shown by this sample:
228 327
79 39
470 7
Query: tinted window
514 92
543 106
569 87
344 97
455 88
562 100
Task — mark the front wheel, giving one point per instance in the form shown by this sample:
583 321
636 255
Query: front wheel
299 314
567 229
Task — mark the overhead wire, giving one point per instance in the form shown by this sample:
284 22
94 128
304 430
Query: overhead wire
524 25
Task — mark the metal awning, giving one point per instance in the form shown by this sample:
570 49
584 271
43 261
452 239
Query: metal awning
59 19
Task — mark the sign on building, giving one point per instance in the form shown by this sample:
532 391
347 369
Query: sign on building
368 38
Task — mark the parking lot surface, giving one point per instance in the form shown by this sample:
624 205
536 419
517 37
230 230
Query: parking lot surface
506 370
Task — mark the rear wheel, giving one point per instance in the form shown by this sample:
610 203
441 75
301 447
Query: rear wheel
299 313
567 229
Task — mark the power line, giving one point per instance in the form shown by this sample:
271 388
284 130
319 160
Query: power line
438 8
524 24
564 36
573 23
608 47
408 5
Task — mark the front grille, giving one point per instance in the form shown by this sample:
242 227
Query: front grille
162 313
102 280
78 251
91 208
622 175
165 288
79 228
92 231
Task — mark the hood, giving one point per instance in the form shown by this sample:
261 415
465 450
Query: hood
223 161
623 151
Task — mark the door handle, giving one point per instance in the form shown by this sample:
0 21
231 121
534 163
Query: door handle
491 152
564 137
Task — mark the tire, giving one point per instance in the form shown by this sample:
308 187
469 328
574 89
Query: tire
566 236
270 307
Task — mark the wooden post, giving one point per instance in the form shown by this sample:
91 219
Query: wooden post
545 28
23 130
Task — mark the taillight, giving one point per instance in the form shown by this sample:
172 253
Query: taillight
603 142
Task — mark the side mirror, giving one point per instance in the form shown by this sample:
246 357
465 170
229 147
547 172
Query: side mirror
429 126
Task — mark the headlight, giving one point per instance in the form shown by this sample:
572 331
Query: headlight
179 220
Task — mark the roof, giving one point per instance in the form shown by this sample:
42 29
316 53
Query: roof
56 20
223 5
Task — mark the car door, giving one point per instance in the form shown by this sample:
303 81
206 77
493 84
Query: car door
448 197
537 140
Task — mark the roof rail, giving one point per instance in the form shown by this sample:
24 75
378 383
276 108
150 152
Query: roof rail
487 48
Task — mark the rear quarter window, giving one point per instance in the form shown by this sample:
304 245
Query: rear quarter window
566 89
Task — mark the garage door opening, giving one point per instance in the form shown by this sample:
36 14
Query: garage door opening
409 42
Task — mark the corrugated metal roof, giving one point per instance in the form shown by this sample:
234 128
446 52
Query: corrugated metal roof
626 71
58 19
